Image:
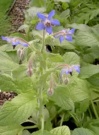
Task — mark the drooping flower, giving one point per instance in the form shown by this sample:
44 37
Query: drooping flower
76 68
15 41
65 34
70 69
47 22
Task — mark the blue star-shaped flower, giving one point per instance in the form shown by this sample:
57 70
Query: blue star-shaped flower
65 34
47 22
15 41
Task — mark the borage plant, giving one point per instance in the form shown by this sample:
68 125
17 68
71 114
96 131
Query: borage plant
49 90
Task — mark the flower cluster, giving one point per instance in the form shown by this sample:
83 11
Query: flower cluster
15 41
46 23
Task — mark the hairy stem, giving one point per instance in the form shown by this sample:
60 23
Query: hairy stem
43 44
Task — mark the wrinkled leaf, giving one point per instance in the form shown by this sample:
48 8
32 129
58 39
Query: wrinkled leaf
18 110
63 130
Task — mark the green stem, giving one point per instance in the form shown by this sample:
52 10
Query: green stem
62 119
43 44
94 109
41 115
76 119
29 127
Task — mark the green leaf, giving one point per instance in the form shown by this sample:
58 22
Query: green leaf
26 132
24 85
86 38
7 83
71 58
18 110
65 14
94 79
61 99
82 131
63 130
44 132
82 27
11 130
32 11
93 125
6 63
75 91
88 71
38 3
55 57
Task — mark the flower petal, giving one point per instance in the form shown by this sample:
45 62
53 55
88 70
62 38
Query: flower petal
4 38
51 14
55 22
69 38
61 38
15 43
71 31
40 26
76 68
64 71
49 29
41 16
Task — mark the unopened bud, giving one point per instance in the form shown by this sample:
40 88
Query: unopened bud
30 68
65 80
29 71
20 54
50 92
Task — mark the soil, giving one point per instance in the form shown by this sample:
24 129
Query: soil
16 12
4 96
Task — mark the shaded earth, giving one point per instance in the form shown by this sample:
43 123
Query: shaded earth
16 12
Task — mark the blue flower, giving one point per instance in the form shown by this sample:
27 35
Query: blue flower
76 68
15 41
66 70
69 69
47 22
65 34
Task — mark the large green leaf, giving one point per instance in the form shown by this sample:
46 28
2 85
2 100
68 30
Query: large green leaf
82 131
62 100
18 110
75 91
88 71
63 130
71 58
11 130
7 83
24 85
94 79
86 38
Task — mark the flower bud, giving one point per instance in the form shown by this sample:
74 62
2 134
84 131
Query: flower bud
50 91
20 54
29 71
30 68
65 80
